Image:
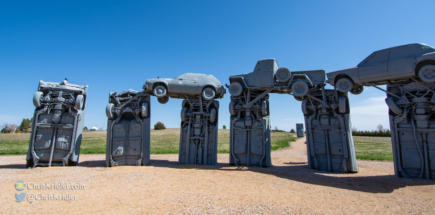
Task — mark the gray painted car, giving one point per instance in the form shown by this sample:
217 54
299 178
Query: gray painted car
268 77
189 84
57 124
387 65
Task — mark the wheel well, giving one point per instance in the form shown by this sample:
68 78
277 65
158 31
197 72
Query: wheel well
423 63
240 80
210 86
342 76
160 83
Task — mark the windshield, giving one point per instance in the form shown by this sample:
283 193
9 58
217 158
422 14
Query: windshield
366 59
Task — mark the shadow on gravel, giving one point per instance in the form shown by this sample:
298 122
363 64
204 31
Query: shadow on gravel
13 166
299 171
295 171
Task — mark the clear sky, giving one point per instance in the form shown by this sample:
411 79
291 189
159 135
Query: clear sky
113 46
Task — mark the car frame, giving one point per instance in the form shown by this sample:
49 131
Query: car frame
386 66
190 85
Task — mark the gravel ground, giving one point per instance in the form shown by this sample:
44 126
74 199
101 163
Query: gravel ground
165 187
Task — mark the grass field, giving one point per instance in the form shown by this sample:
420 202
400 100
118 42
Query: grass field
162 142
373 148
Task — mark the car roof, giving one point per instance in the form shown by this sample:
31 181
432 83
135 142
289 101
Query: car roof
195 75
420 44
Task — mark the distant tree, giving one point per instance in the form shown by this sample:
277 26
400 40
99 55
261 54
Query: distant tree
25 124
159 126
276 128
380 127
101 128
85 128
9 128
292 131
354 128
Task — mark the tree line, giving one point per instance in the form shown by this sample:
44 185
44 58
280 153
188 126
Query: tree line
380 132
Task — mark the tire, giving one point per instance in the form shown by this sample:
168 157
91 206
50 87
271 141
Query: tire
427 73
79 102
213 115
183 114
163 100
235 89
298 98
357 89
342 104
393 106
300 88
37 99
208 94
344 85
231 108
304 107
159 91
264 108
282 74
144 110
109 110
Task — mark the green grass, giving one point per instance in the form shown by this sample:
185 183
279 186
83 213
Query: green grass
162 142
373 148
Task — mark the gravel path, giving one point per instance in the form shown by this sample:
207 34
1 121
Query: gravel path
165 187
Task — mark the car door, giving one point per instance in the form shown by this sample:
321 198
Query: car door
263 78
401 63
184 84
375 67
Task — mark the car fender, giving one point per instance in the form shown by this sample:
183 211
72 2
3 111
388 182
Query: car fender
165 83
424 57
239 79
297 77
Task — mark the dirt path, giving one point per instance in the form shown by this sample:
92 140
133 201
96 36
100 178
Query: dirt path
166 187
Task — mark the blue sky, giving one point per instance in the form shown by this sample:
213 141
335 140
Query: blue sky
112 46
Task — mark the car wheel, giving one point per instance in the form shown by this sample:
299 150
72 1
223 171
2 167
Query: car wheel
79 102
231 108
342 104
163 100
264 108
283 74
183 114
357 89
208 94
159 91
37 99
393 106
300 88
143 110
235 89
427 73
213 115
109 110
344 85
304 107
298 98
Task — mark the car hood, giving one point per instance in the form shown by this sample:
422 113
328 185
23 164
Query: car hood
238 76
331 75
